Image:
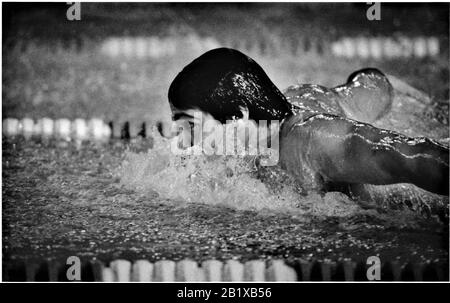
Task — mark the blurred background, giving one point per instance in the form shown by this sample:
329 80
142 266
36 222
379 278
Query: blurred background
118 61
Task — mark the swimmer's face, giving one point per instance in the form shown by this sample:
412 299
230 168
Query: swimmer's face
186 121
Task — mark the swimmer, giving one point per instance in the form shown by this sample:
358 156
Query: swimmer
326 139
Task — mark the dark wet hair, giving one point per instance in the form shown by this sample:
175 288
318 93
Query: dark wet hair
223 81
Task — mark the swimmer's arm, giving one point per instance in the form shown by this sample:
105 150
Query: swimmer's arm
344 150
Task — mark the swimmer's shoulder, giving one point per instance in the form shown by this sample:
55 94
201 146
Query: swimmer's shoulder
314 98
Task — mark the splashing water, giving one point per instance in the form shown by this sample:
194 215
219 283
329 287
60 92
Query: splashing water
232 181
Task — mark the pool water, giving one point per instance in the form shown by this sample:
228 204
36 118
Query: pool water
136 200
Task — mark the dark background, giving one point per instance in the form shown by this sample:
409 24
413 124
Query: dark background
53 67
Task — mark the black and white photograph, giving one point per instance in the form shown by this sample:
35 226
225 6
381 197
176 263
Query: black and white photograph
225 142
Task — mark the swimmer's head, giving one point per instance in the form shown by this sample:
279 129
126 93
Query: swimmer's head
223 81
369 77
367 95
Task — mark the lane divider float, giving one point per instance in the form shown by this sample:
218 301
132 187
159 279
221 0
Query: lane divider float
77 130
188 270
386 47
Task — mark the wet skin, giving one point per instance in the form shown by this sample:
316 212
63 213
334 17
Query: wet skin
325 136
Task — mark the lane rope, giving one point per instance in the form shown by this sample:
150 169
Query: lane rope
187 270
